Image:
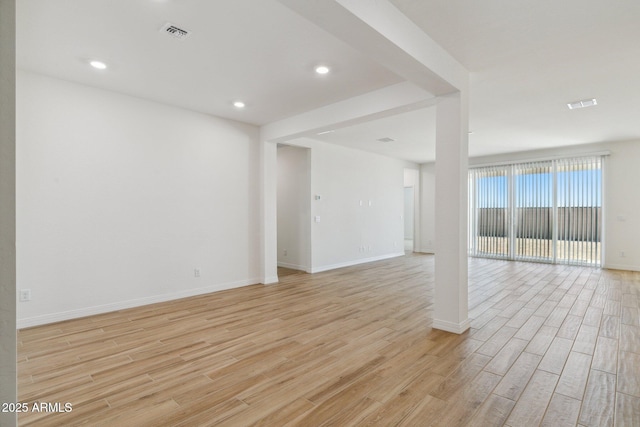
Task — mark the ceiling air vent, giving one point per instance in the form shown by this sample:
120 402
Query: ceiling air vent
385 140
174 31
582 104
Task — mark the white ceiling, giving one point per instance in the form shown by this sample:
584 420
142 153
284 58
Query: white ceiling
527 60
254 50
413 134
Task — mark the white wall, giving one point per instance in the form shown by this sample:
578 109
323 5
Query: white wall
120 199
8 388
350 233
294 203
427 208
408 213
622 216
622 202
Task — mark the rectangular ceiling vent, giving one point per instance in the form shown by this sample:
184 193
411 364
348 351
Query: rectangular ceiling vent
385 140
174 31
582 104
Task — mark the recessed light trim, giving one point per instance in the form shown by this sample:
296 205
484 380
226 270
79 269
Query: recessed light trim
239 104
322 69
386 139
325 132
582 104
98 65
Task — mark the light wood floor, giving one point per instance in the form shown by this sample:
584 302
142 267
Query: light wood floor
549 345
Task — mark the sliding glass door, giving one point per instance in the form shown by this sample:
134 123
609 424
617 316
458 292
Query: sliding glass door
533 211
548 211
490 216
579 195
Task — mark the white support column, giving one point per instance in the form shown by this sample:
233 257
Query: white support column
451 293
8 387
268 212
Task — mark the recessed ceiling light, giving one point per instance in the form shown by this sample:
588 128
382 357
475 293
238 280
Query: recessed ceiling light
386 139
239 104
582 104
322 69
325 132
98 65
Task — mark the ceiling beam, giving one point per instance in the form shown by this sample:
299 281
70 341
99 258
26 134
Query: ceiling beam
379 30
390 100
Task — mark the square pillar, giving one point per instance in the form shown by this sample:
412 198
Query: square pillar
451 307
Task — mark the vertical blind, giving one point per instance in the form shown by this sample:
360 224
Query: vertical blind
548 211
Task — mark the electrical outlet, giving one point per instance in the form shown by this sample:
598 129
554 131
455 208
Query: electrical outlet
25 295
196 272
284 252
622 255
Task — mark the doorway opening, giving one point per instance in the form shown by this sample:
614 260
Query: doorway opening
411 210
408 219
294 208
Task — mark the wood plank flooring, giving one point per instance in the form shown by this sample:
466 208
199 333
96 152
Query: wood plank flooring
549 345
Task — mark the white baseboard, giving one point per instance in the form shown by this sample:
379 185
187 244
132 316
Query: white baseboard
121 305
269 280
292 266
621 267
425 250
355 262
456 328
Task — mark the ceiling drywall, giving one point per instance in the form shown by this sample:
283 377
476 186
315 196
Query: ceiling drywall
257 51
526 61
413 134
